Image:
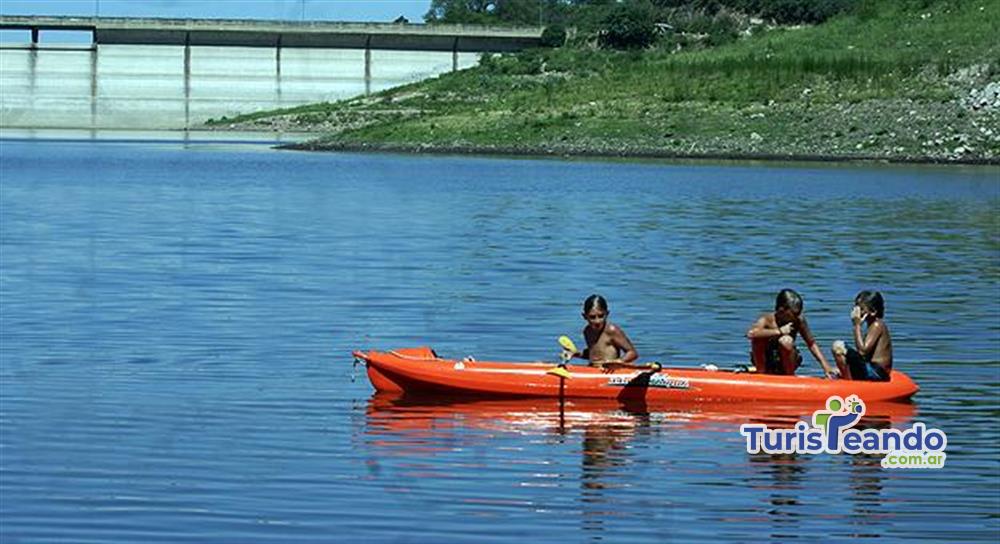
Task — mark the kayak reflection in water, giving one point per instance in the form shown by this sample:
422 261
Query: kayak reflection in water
607 344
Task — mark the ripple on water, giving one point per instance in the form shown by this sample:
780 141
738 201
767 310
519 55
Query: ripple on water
177 324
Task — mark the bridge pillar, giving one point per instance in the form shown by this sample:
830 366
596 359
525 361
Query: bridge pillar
277 68
34 37
93 86
454 55
32 71
368 65
187 80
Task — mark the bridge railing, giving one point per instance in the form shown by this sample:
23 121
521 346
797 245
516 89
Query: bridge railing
262 33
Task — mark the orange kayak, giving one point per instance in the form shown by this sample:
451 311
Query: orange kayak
420 370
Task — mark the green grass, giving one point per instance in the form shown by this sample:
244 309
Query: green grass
881 79
306 110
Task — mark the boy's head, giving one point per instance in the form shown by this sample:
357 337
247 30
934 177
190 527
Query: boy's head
871 302
788 304
595 311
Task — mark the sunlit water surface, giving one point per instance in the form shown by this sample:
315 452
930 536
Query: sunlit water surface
177 322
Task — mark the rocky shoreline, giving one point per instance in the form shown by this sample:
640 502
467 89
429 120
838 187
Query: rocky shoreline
892 131
957 124
640 154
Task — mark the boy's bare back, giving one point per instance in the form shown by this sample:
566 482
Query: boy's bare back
882 350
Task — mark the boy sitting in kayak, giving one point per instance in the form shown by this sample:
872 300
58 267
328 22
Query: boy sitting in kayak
607 344
872 360
772 338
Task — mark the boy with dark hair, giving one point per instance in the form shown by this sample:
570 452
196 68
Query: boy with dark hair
872 358
607 344
772 337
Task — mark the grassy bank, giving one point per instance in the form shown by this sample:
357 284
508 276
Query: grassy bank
888 80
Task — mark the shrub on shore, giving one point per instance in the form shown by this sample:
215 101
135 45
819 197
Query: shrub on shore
553 36
629 25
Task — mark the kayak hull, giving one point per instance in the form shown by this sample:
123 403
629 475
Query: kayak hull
421 371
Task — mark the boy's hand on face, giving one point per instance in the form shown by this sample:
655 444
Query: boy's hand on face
856 315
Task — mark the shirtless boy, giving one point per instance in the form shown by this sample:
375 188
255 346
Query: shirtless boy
607 343
772 337
871 359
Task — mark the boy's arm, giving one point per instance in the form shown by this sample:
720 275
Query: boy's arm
585 354
814 348
818 354
867 345
761 329
623 343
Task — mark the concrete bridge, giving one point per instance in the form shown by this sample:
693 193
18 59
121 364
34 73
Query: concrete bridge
197 40
278 34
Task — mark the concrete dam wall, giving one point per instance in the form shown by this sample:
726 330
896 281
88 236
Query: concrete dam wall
145 87
177 74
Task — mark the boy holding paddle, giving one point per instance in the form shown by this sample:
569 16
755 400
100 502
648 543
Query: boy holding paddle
607 344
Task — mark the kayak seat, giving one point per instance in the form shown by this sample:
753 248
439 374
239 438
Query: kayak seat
421 352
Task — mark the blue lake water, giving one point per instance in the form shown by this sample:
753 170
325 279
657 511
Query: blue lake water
177 323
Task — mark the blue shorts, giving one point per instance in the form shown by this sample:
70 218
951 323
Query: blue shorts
862 369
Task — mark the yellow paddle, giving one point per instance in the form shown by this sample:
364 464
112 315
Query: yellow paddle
569 349
568 344
559 371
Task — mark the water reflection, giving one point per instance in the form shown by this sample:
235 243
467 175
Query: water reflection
868 504
599 446
866 483
605 423
784 476
423 417
789 481
582 441
604 456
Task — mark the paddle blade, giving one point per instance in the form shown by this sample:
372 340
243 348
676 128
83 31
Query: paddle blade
567 344
559 371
